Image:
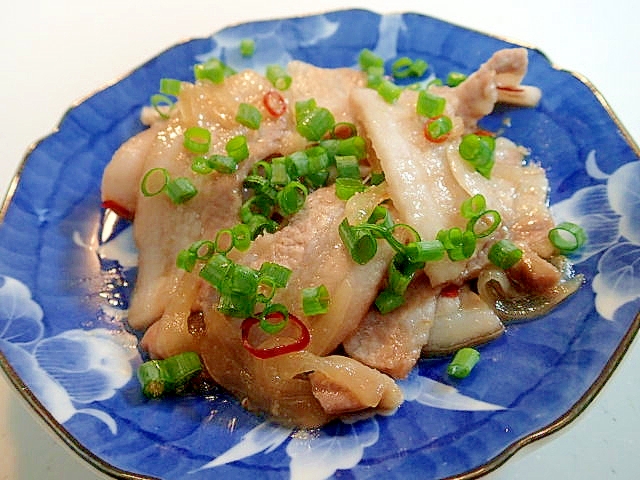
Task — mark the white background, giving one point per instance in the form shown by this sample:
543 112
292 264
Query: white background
54 53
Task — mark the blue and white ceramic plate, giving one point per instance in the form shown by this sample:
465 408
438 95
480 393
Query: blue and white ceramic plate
66 273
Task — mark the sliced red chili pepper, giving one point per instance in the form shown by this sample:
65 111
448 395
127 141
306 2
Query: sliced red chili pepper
427 133
117 209
274 103
263 353
511 89
484 133
450 291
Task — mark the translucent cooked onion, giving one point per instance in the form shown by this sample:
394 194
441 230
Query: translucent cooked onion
511 305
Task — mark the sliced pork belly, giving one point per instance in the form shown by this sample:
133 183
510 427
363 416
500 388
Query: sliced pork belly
461 320
392 343
428 181
497 80
311 247
419 182
161 229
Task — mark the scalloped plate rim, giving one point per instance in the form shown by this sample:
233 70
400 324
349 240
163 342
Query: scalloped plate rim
491 464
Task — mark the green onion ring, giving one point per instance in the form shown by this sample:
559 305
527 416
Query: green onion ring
567 237
495 216
145 180
224 234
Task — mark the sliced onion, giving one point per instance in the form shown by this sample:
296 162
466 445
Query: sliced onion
510 305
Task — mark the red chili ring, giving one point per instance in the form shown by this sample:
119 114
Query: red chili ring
264 353
427 134
117 209
274 103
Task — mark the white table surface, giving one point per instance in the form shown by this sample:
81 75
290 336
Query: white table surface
54 53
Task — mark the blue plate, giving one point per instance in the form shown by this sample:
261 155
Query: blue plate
66 272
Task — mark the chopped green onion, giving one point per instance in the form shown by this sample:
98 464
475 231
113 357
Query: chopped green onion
404 67
213 70
186 260
203 249
567 237
247 47
425 251
160 377
249 116
256 205
354 145
265 291
170 86
381 216
376 178
315 300
400 274
300 162
162 104
348 166
236 305
304 106
504 254
318 159
241 237
430 105
279 274
261 169
201 165
360 244
216 270
147 178
389 91
459 244
243 280
400 68
473 206
347 187
279 171
223 163
387 301
463 362
278 77
274 321
455 78
343 130
437 129
181 190
313 123
292 197
494 221
478 150
197 139
375 76
259 223
224 240
237 148
368 59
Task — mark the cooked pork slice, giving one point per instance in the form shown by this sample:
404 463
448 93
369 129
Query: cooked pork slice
428 181
286 387
329 87
419 181
497 80
121 177
344 385
461 319
392 343
162 229
311 247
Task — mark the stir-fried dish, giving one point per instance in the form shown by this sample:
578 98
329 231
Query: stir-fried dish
309 234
